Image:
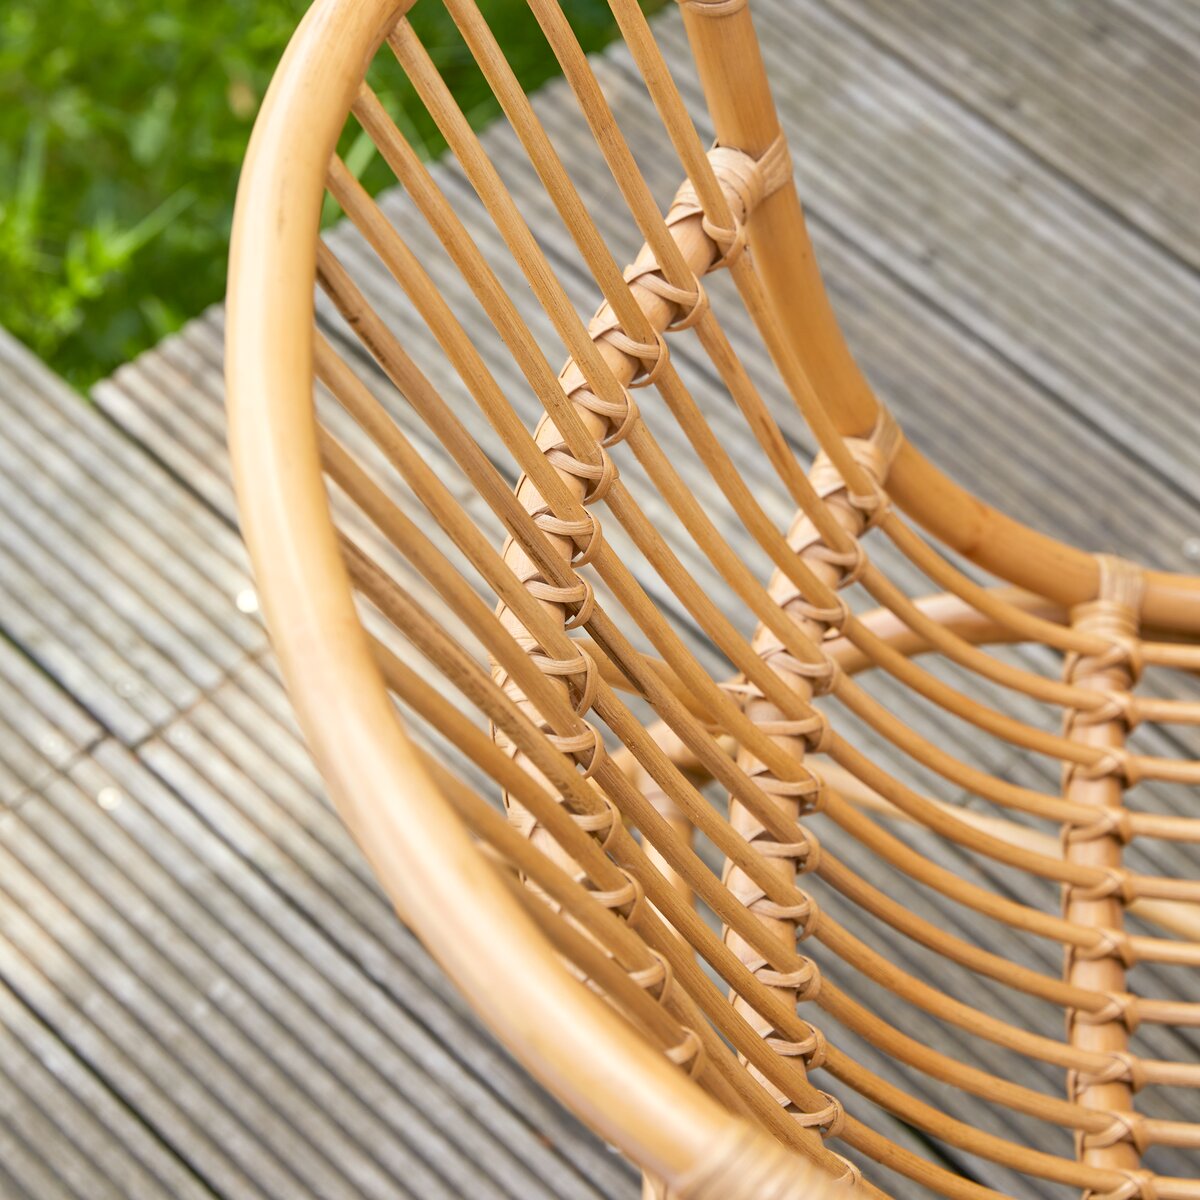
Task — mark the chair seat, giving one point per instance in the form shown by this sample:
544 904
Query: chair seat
666 751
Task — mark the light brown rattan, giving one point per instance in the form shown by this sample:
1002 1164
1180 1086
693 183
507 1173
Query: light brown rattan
586 926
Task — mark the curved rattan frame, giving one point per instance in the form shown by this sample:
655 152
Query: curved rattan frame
437 879
435 875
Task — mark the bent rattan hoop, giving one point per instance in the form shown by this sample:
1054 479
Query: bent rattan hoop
457 625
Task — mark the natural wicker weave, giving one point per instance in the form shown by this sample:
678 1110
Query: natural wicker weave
498 607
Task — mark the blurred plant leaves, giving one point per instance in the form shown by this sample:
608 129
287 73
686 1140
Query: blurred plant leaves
122 128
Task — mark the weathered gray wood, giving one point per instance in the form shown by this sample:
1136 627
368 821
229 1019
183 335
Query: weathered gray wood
171 412
306 1068
41 727
23 1174
90 1121
115 581
1095 91
1176 21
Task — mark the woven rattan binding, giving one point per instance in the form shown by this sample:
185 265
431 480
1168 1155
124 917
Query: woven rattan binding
490 585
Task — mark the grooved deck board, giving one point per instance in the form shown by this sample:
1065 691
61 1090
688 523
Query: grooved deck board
1098 93
202 990
43 729
237 997
113 580
1178 22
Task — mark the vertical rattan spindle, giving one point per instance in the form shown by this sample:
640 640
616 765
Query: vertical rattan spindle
1113 616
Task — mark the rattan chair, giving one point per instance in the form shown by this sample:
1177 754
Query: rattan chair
478 613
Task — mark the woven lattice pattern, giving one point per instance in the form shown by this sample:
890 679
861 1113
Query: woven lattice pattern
655 780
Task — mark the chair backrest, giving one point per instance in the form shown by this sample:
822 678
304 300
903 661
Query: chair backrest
578 648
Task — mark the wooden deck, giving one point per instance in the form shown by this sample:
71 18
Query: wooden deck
202 993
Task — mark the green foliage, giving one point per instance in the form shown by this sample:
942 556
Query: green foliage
122 127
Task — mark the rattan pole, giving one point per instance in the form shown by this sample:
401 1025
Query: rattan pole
730 65
1114 617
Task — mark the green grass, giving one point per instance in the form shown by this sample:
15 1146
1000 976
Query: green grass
122 127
